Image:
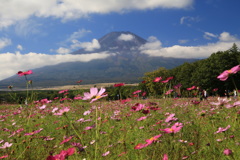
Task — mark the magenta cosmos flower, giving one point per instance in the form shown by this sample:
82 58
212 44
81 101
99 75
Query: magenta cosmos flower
224 76
227 152
191 88
157 79
220 129
167 80
63 154
94 95
119 84
169 92
148 142
62 111
21 73
174 129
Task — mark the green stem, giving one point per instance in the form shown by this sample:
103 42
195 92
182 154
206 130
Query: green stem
27 89
74 128
96 132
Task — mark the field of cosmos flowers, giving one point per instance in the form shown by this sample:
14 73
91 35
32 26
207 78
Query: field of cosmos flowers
88 127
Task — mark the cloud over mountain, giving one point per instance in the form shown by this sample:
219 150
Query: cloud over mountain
11 63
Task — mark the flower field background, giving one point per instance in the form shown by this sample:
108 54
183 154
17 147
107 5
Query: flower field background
170 128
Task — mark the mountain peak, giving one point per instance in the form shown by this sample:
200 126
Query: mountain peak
117 42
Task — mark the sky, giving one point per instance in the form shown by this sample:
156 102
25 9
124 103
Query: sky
36 33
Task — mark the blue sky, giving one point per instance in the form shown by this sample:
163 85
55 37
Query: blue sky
34 34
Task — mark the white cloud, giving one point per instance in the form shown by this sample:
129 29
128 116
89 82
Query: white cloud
182 41
154 48
87 46
225 36
11 63
188 20
126 37
13 11
209 36
153 44
5 42
62 50
27 27
78 34
19 47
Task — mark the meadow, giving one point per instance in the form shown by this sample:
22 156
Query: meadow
92 127
170 128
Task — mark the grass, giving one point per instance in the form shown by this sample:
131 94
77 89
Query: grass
110 130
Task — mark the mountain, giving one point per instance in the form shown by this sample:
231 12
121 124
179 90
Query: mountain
113 43
125 64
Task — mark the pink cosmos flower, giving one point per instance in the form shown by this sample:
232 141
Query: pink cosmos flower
87 112
144 94
224 75
45 101
152 139
221 101
165 157
157 79
138 107
43 107
89 127
174 129
119 84
171 118
21 73
5 156
34 132
6 145
140 146
54 109
62 111
125 100
63 91
77 98
167 80
63 154
141 118
177 86
66 140
215 90
148 142
136 92
106 153
233 105
94 94
169 92
191 88
220 129
227 152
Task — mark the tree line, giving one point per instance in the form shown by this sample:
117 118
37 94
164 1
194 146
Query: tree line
202 73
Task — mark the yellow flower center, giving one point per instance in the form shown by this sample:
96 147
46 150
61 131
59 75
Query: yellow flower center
171 129
229 71
96 97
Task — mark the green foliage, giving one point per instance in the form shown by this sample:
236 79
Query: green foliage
152 87
202 73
